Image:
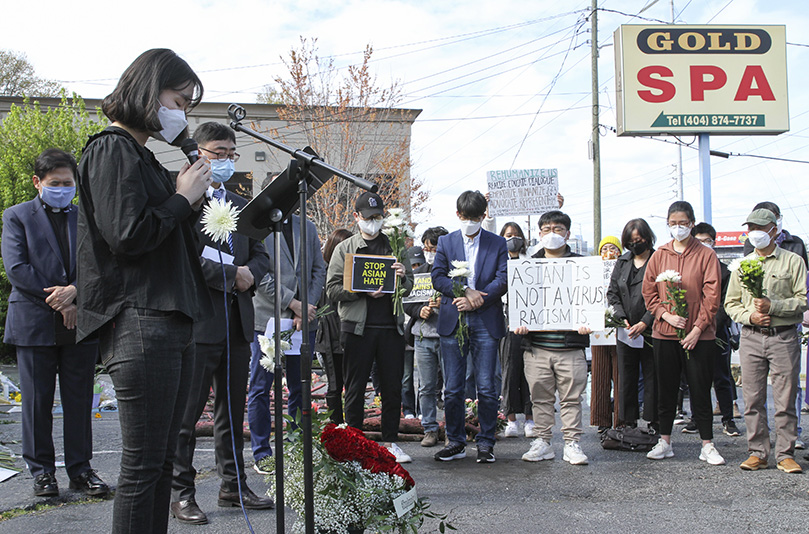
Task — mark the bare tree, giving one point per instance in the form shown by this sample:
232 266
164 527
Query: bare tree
17 77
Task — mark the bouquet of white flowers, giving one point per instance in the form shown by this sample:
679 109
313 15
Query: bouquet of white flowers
397 230
460 272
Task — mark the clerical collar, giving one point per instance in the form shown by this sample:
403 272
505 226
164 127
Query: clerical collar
51 208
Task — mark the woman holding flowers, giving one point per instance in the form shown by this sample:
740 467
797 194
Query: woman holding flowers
682 289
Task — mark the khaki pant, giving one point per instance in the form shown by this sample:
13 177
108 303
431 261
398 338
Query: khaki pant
549 372
778 355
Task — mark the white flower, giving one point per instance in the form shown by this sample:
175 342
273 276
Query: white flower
389 231
460 264
219 220
669 276
267 345
394 222
461 272
267 363
735 265
610 311
409 232
395 212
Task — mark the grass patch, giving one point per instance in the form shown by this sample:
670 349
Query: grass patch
43 507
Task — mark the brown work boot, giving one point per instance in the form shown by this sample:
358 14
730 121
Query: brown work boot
430 439
754 463
788 465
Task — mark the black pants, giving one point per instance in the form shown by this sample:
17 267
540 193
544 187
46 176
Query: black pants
671 359
516 397
723 383
211 369
385 347
630 363
333 365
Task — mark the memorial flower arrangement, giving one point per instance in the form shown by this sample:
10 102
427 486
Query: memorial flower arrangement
458 274
751 275
219 219
471 418
398 231
676 298
355 483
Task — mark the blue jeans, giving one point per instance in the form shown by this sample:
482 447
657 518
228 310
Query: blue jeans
428 361
150 357
481 347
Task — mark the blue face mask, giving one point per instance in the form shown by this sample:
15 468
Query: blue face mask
222 170
58 197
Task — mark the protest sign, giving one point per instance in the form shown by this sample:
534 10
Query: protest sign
556 294
422 289
605 337
366 273
522 192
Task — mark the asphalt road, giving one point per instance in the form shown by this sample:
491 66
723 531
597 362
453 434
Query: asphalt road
617 492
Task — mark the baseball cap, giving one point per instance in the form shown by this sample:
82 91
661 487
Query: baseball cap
761 217
416 254
369 204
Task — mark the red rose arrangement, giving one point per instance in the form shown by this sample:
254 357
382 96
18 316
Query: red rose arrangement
348 444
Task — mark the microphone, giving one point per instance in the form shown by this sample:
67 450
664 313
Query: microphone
190 149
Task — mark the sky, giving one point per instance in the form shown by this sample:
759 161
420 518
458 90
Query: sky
502 84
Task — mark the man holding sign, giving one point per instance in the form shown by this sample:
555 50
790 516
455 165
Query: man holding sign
371 332
555 362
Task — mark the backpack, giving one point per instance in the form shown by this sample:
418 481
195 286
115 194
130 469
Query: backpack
629 439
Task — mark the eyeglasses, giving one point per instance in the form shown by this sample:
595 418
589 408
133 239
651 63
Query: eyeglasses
561 230
672 224
221 156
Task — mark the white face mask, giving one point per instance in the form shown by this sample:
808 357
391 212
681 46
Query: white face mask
370 226
429 257
173 123
679 232
470 227
759 239
780 224
552 241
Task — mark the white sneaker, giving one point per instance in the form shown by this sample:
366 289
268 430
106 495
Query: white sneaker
540 450
529 428
799 444
660 451
512 431
711 455
410 416
401 456
573 454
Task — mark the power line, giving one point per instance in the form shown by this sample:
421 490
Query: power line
718 12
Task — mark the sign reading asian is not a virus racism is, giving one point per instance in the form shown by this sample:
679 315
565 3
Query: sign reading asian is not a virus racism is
366 273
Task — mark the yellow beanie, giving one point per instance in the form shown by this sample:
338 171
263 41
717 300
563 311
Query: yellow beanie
610 239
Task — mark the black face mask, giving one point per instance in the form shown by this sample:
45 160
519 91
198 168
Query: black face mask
514 243
638 248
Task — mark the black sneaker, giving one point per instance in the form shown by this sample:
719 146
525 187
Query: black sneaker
452 451
690 428
485 454
731 429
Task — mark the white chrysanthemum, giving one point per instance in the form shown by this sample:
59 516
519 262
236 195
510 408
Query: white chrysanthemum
610 311
395 212
460 272
735 265
219 220
389 231
460 264
394 222
669 276
409 232
267 362
266 345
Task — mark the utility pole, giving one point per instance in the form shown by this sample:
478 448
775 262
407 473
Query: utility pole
679 146
595 134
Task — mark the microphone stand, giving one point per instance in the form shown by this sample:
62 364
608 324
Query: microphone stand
300 169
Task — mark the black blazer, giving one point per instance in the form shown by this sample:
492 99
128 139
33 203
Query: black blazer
247 252
627 299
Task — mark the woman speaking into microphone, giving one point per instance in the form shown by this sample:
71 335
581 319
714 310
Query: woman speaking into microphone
140 285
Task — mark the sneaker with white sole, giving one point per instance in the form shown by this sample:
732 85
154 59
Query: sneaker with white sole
451 451
660 451
512 430
540 450
711 455
799 444
401 456
529 428
573 454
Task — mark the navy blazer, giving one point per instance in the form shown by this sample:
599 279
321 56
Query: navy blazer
248 252
33 261
491 276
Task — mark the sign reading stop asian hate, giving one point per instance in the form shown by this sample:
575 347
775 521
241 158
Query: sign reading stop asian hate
522 192
556 294
683 79
366 273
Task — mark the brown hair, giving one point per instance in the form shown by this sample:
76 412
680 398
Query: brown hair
336 237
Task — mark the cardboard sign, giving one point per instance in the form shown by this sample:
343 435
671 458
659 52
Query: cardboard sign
605 337
522 192
556 294
365 273
422 289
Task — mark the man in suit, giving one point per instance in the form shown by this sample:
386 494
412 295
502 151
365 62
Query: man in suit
481 303
39 254
292 271
244 261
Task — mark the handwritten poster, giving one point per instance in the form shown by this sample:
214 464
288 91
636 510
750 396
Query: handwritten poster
522 192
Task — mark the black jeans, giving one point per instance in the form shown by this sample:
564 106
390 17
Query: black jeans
333 365
386 347
150 357
516 397
630 363
671 359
